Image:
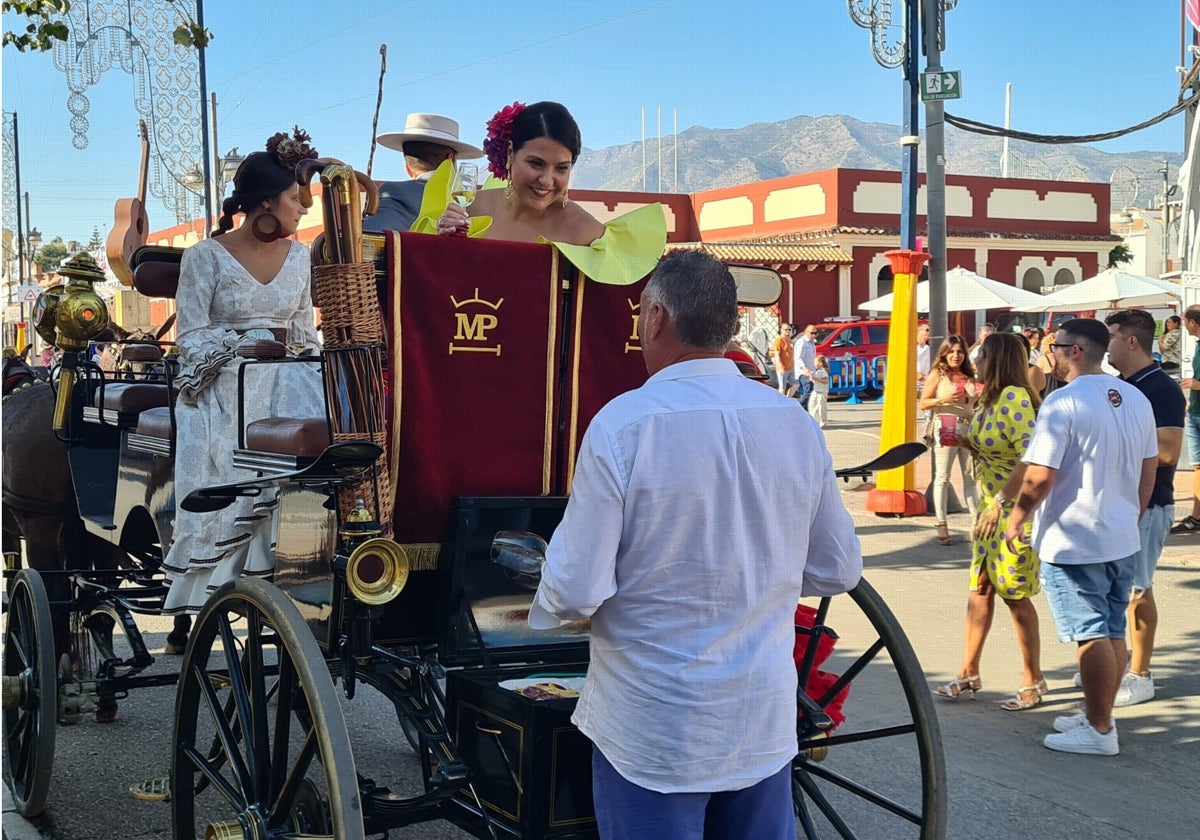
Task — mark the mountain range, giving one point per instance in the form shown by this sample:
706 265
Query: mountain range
707 158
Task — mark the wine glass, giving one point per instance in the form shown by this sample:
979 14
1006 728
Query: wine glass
466 182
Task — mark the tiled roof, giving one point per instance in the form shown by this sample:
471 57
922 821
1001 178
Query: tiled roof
830 235
770 252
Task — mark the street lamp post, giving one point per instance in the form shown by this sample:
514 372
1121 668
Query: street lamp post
1165 218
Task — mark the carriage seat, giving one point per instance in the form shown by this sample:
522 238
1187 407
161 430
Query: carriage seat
134 397
302 437
155 422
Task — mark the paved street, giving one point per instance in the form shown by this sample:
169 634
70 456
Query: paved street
1001 782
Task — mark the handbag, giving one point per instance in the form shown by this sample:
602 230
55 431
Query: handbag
930 426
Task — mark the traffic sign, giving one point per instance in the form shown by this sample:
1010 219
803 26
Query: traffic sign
29 294
946 84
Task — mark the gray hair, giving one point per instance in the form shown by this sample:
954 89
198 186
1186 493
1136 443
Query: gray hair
699 294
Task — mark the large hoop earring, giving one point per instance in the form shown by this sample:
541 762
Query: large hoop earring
266 235
564 198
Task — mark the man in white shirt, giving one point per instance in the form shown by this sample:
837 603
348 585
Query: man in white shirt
924 354
689 537
1092 463
805 351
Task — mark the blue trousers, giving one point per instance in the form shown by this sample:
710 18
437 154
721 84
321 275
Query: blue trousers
625 811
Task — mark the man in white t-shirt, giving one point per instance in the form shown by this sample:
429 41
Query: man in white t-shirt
1091 468
924 355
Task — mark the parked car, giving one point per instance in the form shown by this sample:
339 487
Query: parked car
837 337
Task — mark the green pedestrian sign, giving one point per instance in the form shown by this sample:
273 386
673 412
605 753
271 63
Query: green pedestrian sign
946 84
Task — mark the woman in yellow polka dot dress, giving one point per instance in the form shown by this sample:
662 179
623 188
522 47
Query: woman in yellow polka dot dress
999 434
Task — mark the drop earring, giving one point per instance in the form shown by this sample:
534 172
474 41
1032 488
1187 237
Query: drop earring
509 191
564 198
266 235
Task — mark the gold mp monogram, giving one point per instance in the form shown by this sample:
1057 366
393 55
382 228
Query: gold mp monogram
474 326
634 342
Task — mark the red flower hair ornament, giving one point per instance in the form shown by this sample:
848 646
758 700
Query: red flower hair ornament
289 151
499 133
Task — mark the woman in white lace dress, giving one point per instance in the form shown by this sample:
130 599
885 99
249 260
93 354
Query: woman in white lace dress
233 287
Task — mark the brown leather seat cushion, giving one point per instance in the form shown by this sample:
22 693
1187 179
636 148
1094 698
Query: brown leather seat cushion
132 397
140 352
155 422
304 437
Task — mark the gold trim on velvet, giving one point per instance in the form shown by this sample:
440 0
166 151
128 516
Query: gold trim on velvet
572 437
396 368
551 370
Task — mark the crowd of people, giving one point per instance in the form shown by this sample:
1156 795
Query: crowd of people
1076 470
1066 458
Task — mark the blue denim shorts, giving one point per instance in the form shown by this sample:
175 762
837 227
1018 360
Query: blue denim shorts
1191 434
1153 528
1088 601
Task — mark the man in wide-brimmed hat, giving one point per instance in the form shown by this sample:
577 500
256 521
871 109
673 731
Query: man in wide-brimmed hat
427 140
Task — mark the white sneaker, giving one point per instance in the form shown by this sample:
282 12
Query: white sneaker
1084 740
1134 689
1065 723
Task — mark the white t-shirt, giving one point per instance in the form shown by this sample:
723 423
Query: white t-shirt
923 359
689 537
1095 431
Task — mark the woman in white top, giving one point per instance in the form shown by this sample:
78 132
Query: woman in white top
950 392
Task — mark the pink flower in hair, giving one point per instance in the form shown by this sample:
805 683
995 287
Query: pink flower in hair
499 132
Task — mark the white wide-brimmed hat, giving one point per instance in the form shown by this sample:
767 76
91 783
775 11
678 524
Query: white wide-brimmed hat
430 128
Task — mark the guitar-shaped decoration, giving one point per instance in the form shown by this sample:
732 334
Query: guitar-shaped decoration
131 226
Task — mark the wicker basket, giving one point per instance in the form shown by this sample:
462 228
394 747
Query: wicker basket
354 386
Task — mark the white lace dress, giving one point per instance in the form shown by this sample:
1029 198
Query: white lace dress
217 302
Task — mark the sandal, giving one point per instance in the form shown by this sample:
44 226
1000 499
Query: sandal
1019 703
152 790
958 686
943 534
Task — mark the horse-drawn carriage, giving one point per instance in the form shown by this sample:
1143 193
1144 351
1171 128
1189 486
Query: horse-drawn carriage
405 562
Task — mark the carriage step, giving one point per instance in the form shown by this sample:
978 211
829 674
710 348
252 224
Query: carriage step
94 472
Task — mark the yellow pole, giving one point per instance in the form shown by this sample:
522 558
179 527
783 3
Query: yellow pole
894 491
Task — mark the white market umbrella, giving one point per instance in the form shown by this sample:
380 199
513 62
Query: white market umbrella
1111 289
966 291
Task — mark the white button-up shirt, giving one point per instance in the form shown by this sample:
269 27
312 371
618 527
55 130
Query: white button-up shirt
704 505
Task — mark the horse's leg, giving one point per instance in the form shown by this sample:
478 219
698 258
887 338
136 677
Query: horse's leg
178 637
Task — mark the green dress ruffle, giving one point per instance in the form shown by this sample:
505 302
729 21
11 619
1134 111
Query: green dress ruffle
627 251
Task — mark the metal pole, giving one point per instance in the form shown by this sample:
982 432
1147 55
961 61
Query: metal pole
1007 118
204 150
911 138
935 177
1165 219
22 274
219 170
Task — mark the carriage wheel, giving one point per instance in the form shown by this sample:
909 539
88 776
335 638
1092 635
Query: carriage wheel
30 693
881 773
261 747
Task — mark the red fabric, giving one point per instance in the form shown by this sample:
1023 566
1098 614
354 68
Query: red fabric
735 354
604 357
474 362
818 681
1192 9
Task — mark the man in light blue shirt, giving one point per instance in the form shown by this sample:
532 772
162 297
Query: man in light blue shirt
689 537
805 348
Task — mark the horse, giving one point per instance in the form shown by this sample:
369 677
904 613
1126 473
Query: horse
40 508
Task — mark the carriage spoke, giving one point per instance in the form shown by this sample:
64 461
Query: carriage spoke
863 792
814 793
281 807
223 732
257 735
213 776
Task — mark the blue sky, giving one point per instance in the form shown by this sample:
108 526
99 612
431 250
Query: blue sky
1076 68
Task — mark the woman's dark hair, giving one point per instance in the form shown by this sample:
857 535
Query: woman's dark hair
1174 321
547 119
1004 361
260 178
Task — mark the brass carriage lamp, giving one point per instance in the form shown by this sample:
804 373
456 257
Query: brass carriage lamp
78 315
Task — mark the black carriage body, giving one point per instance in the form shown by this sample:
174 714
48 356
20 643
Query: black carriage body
531 767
